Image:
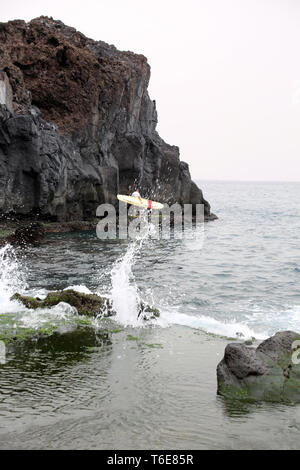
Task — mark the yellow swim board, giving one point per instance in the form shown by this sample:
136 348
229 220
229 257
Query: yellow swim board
144 203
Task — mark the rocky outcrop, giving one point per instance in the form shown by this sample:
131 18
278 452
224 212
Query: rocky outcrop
271 372
91 305
31 234
77 126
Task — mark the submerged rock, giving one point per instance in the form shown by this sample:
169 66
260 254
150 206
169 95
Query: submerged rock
14 332
86 304
270 372
67 336
32 234
146 312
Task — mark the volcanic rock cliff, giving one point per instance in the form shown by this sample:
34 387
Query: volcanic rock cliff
77 126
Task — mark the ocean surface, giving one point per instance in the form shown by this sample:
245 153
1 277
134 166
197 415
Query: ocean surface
123 383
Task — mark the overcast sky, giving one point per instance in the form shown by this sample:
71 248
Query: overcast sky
225 75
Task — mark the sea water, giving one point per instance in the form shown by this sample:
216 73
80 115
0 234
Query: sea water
154 384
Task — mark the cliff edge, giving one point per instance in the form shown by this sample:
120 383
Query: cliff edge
77 126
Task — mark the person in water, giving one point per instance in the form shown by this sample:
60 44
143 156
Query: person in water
136 211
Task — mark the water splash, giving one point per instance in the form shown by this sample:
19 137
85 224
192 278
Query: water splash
12 278
79 288
60 314
213 326
124 293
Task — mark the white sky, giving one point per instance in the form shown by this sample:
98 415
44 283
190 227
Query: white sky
225 75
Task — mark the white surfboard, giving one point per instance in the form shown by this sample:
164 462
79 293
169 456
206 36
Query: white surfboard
135 201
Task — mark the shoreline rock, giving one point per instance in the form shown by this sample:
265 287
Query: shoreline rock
266 373
91 305
31 234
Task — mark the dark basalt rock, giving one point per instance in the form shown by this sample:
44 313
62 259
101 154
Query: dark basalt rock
31 234
77 126
146 312
92 305
86 304
269 372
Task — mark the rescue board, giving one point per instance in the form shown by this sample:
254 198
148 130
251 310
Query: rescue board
144 203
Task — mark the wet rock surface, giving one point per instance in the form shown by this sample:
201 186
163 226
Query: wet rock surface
86 304
270 372
91 305
31 234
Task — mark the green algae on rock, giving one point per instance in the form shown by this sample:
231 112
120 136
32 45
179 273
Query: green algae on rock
12 332
148 312
267 373
90 305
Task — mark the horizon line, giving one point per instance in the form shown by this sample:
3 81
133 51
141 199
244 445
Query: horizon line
245 181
